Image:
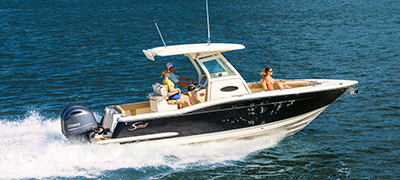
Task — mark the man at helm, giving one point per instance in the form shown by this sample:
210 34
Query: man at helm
178 79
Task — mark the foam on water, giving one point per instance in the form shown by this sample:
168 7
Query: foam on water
34 147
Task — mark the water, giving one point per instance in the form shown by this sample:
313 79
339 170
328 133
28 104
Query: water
55 53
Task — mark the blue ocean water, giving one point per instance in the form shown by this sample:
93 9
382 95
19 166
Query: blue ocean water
56 52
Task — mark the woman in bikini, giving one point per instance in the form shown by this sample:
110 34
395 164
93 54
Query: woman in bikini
269 81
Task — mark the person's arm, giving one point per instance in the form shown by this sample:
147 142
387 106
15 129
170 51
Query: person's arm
185 79
170 89
184 84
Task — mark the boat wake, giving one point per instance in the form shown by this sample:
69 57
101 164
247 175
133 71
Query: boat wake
34 147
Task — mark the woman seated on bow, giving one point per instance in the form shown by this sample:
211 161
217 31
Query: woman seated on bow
171 88
269 82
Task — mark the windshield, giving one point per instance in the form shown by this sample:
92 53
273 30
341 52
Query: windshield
217 68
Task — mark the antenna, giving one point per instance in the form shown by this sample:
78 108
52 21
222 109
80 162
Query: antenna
208 24
159 32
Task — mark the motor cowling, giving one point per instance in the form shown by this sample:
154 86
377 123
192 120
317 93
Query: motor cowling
78 124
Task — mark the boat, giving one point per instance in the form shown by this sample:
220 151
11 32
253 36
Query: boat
225 106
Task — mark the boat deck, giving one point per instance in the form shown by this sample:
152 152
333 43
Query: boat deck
144 107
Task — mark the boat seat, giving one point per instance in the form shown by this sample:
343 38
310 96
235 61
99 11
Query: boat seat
161 92
275 86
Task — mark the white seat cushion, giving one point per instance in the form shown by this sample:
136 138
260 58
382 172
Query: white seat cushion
159 89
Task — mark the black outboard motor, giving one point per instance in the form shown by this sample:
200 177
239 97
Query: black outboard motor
78 124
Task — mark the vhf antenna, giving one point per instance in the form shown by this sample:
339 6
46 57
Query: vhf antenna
208 24
159 32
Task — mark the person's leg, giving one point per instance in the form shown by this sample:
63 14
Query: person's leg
186 99
180 106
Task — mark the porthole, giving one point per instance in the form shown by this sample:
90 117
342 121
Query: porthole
229 88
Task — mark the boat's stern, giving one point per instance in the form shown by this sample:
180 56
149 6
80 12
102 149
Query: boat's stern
78 123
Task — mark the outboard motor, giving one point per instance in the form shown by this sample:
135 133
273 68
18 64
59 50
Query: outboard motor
78 123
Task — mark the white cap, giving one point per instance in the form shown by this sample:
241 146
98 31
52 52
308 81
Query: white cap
169 65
